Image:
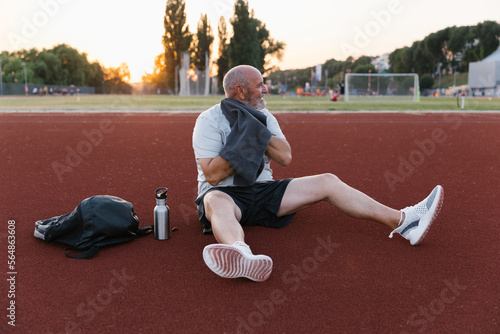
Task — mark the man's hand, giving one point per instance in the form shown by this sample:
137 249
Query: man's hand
215 169
279 150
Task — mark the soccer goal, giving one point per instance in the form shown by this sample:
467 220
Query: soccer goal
382 87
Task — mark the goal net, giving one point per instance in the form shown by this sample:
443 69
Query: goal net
383 87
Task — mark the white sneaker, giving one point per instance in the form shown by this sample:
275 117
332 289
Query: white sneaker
419 218
237 260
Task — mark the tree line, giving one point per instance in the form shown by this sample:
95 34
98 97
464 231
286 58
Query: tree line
250 43
450 49
335 70
63 65
447 50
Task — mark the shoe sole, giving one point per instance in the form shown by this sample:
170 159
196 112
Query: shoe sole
231 262
427 220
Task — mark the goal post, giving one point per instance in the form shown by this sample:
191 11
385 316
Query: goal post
382 87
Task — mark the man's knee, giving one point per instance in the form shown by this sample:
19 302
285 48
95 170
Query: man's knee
218 202
329 178
213 199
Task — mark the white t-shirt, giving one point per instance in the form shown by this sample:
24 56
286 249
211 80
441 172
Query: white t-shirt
209 137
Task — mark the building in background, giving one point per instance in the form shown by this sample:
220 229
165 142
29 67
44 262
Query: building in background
484 76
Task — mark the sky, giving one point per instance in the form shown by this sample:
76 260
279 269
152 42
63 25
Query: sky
114 32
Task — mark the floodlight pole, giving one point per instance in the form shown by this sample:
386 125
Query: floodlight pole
439 82
176 75
369 82
346 87
25 80
416 85
454 78
1 81
326 79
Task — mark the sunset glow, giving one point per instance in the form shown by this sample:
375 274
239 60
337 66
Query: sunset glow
114 32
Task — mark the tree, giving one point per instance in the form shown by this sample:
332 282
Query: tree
204 38
268 46
336 70
96 78
426 82
115 79
156 80
176 40
61 65
488 34
421 63
251 42
72 65
365 68
398 60
436 46
458 37
223 60
47 68
244 44
13 70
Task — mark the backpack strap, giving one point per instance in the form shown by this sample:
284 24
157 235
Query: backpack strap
143 231
87 254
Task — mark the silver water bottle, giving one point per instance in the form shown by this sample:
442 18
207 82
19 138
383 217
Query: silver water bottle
162 215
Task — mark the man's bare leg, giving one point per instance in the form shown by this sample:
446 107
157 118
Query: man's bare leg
306 191
232 257
224 215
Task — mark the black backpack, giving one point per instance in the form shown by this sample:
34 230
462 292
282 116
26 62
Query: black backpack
96 222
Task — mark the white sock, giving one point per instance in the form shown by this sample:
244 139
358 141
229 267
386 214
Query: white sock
242 244
401 219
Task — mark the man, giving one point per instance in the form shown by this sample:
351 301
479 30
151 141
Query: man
234 143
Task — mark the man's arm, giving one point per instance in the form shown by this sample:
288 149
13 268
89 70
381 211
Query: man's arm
215 169
279 150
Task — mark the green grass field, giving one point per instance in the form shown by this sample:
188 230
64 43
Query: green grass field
200 103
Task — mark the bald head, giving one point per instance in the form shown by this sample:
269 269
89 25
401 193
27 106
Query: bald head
238 76
244 83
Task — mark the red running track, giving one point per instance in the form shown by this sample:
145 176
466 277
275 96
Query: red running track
332 273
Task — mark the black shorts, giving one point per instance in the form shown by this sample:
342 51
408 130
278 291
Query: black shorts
259 204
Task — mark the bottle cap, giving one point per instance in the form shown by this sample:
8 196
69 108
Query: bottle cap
161 193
